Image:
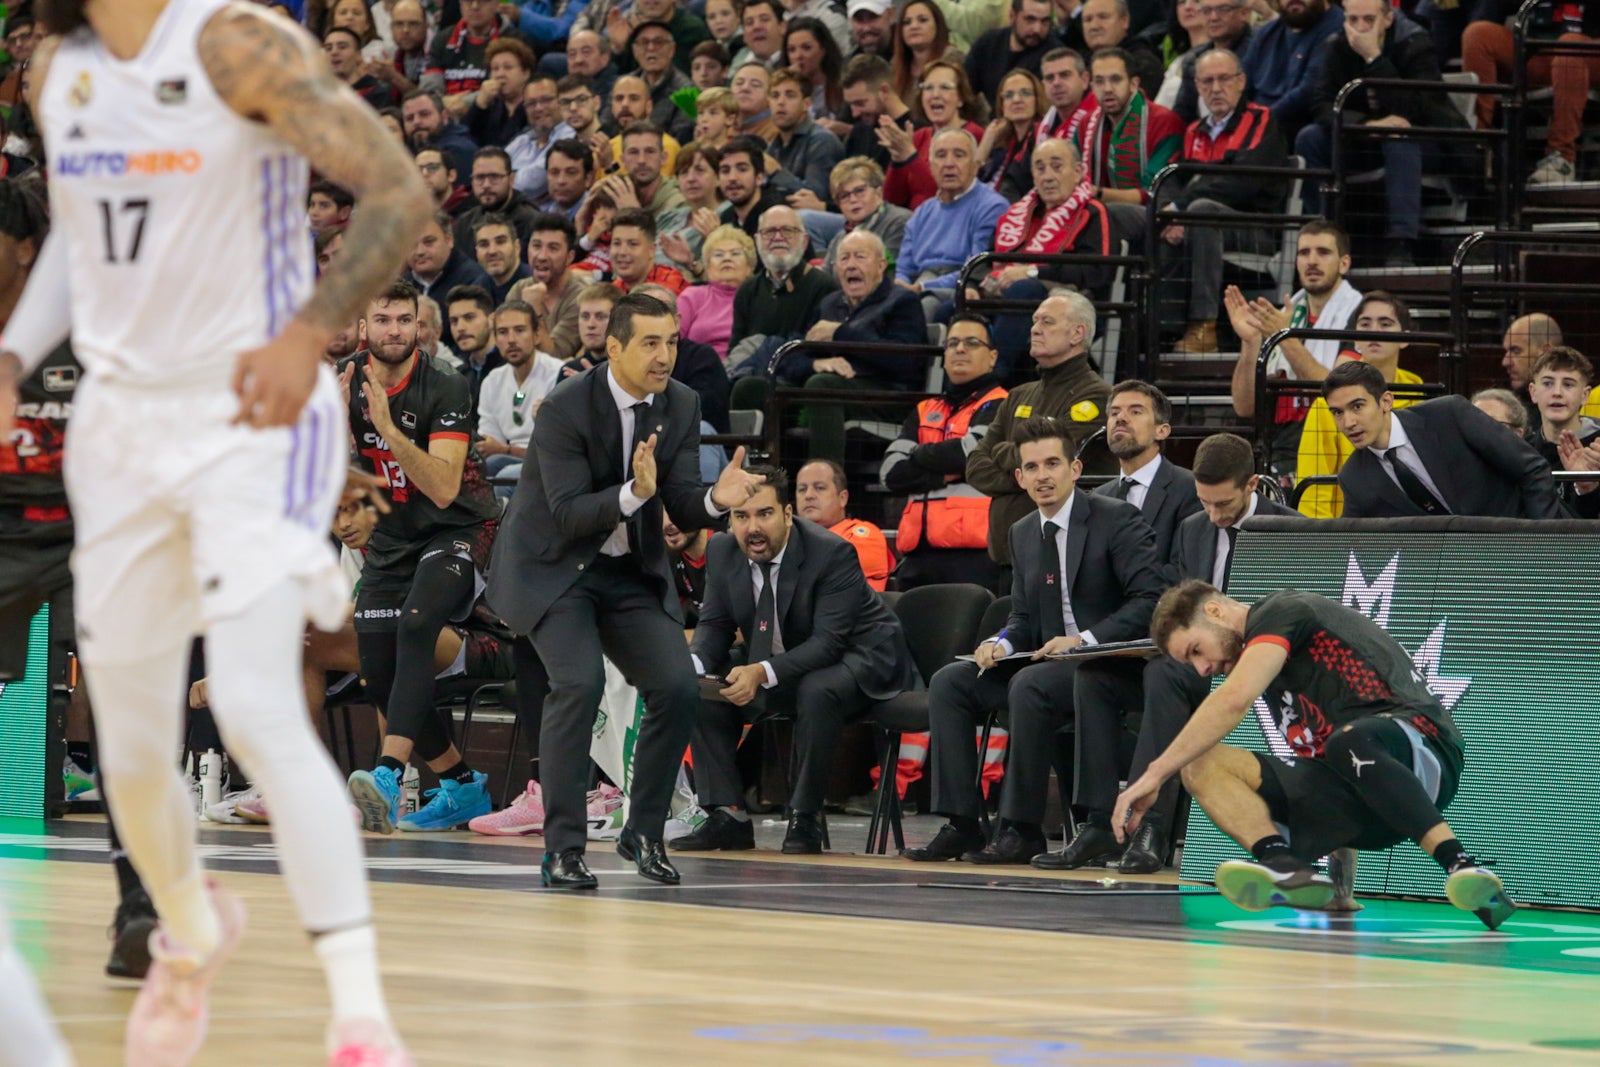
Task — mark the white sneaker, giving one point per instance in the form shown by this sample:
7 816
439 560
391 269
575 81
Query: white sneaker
605 813
1553 169
226 810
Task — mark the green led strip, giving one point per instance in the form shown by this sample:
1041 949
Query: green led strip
24 716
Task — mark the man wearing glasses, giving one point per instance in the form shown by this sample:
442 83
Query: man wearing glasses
944 529
857 185
1227 29
512 393
653 50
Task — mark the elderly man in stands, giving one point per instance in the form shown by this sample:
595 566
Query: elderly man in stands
868 308
857 185
955 225
1107 24
1379 42
1233 132
1325 301
1059 215
944 529
1228 29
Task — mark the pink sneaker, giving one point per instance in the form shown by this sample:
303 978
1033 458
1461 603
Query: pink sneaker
168 1023
253 810
605 813
525 816
365 1043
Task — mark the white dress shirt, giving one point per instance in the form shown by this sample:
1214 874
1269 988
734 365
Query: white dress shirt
1406 453
777 625
1224 546
617 543
1143 479
1061 518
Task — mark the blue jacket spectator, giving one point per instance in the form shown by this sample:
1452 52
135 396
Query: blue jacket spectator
942 236
1283 64
540 23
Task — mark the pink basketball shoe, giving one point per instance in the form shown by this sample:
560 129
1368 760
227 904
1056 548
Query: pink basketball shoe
525 816
168 1023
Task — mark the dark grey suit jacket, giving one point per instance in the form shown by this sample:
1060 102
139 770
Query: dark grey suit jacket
827 613
1194 550
1482 468
567 505
1169 500
1112 575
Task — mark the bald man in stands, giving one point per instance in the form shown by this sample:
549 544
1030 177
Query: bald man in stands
1526 340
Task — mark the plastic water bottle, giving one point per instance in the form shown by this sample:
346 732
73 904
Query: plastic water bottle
210 778
196 787
411 790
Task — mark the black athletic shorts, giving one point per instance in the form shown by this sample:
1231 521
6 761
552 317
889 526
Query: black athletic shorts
384 590
487 656
1323 812
31 574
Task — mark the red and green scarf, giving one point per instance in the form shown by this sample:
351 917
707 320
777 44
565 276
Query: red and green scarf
1130 148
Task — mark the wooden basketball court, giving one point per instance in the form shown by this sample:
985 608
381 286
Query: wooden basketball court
840 960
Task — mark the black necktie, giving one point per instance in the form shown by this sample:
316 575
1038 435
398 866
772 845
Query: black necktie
1054 623
760 642
1412 485
641 433
1232 533
1125 487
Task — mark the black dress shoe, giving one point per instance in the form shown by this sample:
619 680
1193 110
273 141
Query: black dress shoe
720 832
130 937
804 837
1010 845
650 857
949 843
566 870
1147 850
1091 842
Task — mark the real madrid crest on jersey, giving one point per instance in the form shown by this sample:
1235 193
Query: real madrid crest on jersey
82 91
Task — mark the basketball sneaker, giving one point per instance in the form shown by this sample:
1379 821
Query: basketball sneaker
605 812
254 809
525 816
452 806
130 936
168 1023
77 782
365 1043
1480 891
1281 880
227 811
377 794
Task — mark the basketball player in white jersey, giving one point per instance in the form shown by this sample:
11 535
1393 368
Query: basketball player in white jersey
211 447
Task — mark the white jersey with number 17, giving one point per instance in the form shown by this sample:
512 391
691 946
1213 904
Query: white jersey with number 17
184 222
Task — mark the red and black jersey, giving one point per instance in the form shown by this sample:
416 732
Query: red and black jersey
1342 667
33 498
460 58
690 577
433 402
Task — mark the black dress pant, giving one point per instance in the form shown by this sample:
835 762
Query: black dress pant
615 609
820 704
1166 690
1039 699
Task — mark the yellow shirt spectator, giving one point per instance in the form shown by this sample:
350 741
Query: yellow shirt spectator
1591 407
1323 450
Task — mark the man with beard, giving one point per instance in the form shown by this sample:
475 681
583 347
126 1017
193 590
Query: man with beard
553 292
437 267
631 106
494 190
872 28
1526 339
943 531
410 417
643 185
440 178
1022 43
1325 300
512 393
342 46
1376 755
820 646
1285 57
742 179
471 312
868 86
458 63
569 170
500 255
782 301
1131 139
1138 419
426 125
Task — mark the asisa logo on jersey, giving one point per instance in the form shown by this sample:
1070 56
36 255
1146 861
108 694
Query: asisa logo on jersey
126 164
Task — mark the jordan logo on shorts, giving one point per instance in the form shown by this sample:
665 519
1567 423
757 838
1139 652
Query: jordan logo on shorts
1358 763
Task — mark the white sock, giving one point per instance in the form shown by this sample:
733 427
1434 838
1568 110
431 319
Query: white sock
350 962
30 1035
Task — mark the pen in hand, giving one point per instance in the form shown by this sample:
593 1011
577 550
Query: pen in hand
999 637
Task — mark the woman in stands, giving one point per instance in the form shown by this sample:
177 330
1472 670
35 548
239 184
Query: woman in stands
705 312
696 172
1007 146
945 101
921 37
1186 31
810 48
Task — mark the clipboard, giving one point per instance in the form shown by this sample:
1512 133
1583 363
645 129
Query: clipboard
1142 649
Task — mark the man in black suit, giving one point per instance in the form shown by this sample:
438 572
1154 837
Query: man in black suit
1084 572
1440 457
1168 690
1138 419
582 570
820 646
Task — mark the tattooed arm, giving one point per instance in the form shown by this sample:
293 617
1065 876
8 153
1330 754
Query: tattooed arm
268 70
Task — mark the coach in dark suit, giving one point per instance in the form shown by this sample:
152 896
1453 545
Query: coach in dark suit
1138 419
1440 457
820 646
1168 691
581 567
1084 572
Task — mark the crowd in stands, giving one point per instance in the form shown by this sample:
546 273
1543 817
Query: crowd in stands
818 170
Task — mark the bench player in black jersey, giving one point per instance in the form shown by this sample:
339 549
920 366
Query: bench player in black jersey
1377 756
411 418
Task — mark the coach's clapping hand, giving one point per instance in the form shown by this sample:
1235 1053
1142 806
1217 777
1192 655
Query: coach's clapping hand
274 382
735 485
644 468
